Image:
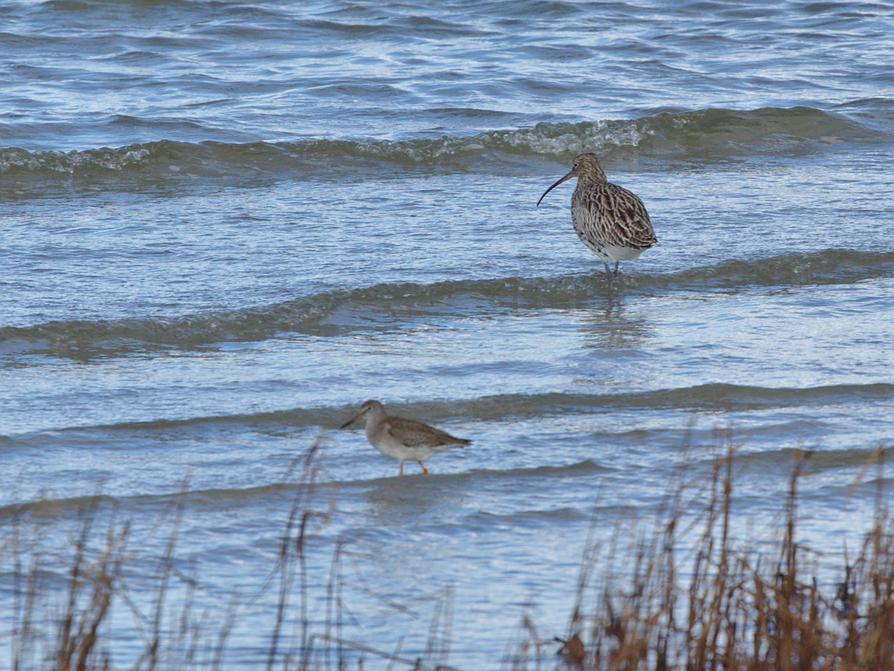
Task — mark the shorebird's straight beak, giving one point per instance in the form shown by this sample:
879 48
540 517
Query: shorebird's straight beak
564 179
351 421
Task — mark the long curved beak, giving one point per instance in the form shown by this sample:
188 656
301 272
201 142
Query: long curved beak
563 179
351 421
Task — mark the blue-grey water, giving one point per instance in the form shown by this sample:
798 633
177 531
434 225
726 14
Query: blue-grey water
226 224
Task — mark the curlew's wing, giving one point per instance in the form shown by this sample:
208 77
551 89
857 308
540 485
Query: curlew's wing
410 433
616 215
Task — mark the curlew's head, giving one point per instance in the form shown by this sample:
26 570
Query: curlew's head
586 168
368 409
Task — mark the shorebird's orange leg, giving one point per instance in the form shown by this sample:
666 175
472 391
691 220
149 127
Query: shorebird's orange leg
401 468
424 469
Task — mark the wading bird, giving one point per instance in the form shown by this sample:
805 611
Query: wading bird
401 438
608 218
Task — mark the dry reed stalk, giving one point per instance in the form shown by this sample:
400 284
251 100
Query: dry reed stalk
725 610
738 615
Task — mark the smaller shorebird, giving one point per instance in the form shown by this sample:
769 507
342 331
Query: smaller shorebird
401 438
608 218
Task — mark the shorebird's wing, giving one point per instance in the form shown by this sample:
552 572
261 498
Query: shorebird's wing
620 217
410 433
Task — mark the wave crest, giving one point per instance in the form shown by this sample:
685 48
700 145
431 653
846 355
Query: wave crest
713 397
314 314
707 135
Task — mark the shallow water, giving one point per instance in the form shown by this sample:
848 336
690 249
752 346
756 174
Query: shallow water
227 224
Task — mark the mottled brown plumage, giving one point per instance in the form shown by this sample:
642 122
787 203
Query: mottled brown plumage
609 219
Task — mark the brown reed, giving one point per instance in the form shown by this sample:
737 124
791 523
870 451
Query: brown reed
687 595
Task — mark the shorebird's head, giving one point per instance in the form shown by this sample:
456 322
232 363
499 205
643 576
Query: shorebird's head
586 168
368 409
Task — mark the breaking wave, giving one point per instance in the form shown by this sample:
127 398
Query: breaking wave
707 135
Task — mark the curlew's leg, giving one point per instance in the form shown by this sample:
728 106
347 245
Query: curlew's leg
424 469
617 263
609 275
401 467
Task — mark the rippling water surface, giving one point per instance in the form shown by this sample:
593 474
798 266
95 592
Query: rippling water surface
226 224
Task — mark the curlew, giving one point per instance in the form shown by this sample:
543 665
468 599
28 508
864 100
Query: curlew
608 218
401 438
